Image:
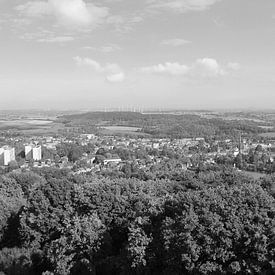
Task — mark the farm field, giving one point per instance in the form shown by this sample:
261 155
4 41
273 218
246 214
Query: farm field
24 122
31 126
254 175
122 130
268 135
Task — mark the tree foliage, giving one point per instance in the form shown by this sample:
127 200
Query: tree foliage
209 221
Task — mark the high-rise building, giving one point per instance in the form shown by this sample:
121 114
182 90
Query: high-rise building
36 153
7 154
33 152
28 152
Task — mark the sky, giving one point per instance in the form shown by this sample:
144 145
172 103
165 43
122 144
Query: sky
184 54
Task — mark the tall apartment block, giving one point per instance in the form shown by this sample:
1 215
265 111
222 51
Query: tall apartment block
7 154
33 152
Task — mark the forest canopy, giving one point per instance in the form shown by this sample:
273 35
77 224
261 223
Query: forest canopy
165 125
206 222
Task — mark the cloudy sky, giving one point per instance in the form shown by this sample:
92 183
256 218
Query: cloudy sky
72 54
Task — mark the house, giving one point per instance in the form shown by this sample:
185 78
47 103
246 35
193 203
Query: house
113 161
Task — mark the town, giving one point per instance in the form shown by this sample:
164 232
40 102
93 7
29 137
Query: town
91 153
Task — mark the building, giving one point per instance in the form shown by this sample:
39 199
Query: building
28 152
36 153
155 145
33 152
7 154
114 161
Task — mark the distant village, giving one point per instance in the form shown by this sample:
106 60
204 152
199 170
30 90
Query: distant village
190 152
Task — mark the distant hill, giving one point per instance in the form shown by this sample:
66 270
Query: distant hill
102 116
164 125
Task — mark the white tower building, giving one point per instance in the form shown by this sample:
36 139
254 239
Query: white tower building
33 152
36 153
28 152
7 154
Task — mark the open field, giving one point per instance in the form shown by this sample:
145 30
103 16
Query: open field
267 127
122 130
50 129
254 175
268 135
122 133
25 123
31 126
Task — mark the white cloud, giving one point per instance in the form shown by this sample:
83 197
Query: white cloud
208 67
175 42
124 24
112 71
69 13
89 62
109 48
167 68
204 67
57 39
115 20
136 19
234 66
34 9
182 5
119 77
46 36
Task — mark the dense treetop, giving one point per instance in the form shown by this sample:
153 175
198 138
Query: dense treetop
216 221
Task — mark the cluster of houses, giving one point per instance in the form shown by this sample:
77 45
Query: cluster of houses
33 150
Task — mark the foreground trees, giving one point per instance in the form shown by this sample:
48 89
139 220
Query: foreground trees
211 222
220 230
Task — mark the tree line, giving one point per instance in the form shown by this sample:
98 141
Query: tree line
215 221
